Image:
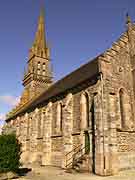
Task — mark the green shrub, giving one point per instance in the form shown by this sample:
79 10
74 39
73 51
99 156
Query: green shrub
9 153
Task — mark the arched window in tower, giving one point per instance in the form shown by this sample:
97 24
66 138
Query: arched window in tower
43 72
38 71
38 68
84 111
43 66
59 118
122 110
39 65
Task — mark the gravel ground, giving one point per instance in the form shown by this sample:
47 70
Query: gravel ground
53 173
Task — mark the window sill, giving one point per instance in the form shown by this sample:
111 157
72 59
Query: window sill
56 135
126 130
75 133
39 137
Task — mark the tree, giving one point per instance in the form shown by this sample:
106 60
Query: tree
9 153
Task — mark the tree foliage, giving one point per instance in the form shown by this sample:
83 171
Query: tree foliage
9 153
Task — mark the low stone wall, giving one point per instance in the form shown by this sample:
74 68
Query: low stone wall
126 141
56 154
126 160
56 158
57 144
126 150
76 140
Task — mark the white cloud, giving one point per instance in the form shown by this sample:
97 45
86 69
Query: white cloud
1 126
2 116
9 100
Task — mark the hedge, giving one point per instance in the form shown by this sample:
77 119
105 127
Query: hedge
9 153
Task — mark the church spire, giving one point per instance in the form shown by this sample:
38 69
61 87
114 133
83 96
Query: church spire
38 76
39 47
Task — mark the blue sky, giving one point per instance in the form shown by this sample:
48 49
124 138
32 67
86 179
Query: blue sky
77 31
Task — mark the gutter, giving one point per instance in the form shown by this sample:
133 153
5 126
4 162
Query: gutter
102 118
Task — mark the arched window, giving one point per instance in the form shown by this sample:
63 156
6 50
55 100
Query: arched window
59 118
28 127
125 110
121 102
28 131
17 127
84 111
43 66
39 130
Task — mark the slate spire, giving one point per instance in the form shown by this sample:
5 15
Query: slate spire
39 46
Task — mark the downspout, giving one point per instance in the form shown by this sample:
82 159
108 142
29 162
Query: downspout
102 119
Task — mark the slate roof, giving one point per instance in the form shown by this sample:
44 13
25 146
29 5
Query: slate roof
78 76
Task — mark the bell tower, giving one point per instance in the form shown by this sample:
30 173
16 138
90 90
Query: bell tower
38 75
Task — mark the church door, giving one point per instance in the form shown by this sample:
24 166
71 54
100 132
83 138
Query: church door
87 143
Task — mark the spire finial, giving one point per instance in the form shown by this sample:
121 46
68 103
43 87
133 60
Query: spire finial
128 19
40 40
39 46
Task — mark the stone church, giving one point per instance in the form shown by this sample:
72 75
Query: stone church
84 121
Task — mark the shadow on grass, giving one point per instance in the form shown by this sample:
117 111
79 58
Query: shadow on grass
23 171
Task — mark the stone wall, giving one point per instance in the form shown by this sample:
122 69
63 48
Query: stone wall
126 141
126 150
103 107
43 140
118 106
57 151
76 140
